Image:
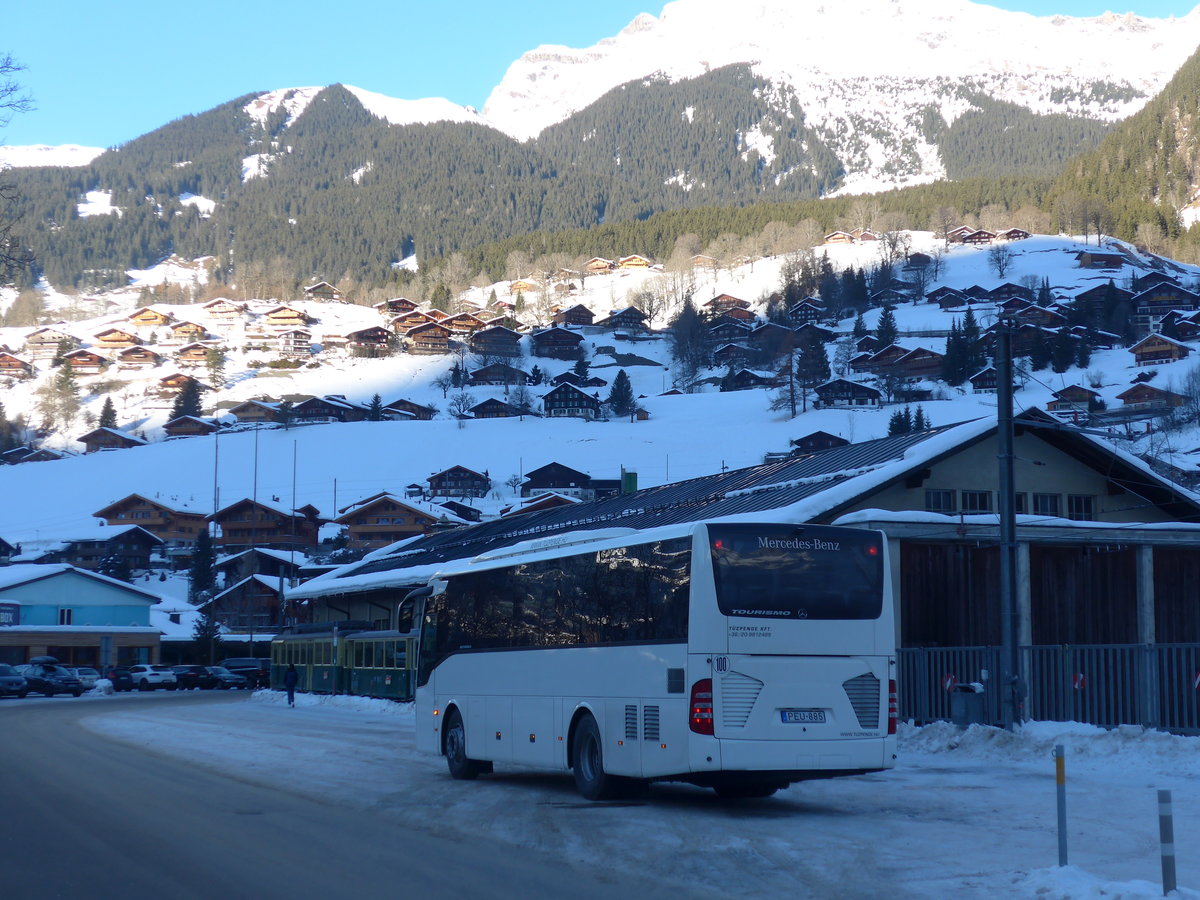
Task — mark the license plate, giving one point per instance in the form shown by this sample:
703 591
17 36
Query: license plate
802 716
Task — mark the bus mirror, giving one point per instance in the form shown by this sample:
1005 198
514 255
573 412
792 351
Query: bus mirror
404 616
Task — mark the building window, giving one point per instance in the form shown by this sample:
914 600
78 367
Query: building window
939 502
65 616
1046 504
976 502
1081 507
1019 503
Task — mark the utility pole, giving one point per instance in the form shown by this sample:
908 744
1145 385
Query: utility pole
1011 682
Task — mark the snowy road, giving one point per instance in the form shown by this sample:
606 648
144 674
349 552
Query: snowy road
85 817
963 815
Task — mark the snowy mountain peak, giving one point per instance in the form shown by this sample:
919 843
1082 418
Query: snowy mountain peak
392 110
809 44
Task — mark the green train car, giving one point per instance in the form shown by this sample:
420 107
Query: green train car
346 658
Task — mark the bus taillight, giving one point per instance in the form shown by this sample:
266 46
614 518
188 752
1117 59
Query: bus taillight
700 718
893 706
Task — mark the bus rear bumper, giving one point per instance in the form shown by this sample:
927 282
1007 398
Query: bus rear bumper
805 759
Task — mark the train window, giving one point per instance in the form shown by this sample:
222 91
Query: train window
379 663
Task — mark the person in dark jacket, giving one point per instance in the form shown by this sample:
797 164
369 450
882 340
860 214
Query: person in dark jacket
290 677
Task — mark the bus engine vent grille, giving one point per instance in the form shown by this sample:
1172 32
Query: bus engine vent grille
631 722
739 693
650 723
863 691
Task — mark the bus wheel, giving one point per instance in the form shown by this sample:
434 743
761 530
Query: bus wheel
457 762
588 752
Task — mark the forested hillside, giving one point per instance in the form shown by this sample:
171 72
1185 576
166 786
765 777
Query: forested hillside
337 193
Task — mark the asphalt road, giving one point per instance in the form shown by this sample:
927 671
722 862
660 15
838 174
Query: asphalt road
85 817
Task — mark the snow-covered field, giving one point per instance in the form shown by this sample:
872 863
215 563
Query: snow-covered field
964 814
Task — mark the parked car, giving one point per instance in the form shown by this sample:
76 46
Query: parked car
120 678
227 680
149 678
194 678
257 671
87 676
46 677
12 682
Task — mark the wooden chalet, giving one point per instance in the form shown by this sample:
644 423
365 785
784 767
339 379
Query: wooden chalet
222 310
85 362
540 503
810 309
462 510
634 261
948 297
331 408
816 442
726 331
255 411
234 567
195 354
628 319
955 235
598 265
131 544
464 323
978 236
256 523
813 331
188 331
1152 279
373 337
295 343
1093 299
109 439
384 518
395 306
149 317
24 454
1145 397
140 357
864 234
919 363
984 381
724 302
868 343
459 481
918 261
322 291
172 521
1074 401
1155 349
189 426
749 379
842 394
410 410
492 408
883 359
170 385
285 317
839 237
556 343
1095 259
568 400
1151 306
1014 234
559 479
499 373
255 604
429 339
44 343
700 261
1008 291
12 366
1032 314
405 321
524 286
771 339
579 381
116 339
578 315
495 340
731 355
437 315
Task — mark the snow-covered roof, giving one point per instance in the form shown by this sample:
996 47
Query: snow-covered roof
19 574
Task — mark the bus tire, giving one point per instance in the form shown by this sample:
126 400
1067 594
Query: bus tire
460 766
587 751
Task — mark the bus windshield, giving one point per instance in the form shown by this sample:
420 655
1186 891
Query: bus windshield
797 571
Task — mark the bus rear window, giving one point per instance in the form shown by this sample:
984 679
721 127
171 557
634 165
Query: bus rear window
797 571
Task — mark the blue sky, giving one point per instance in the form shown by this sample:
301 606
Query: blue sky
103 74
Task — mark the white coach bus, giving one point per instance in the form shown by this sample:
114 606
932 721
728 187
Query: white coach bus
741 657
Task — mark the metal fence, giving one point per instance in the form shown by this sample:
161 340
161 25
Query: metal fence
1156 685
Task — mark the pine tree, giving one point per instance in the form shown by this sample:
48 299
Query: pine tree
812 363
886 331
201 577
1062 351
920 423
114 566
620 398
1083 353
907 418
896 424
206 632
1044 297
375 409
1039 351
952 360
536 375
108 414
972 347
581 367
187 401
860 327
214 360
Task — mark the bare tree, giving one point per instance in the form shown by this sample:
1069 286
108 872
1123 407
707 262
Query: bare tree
460 405
445 381
1000 258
